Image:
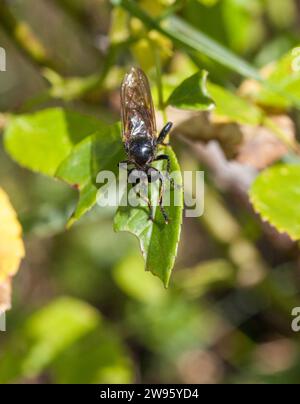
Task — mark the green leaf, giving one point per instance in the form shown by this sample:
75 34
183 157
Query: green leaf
71 88
173 326
233 107
67 145
45 335
159 241
87 200
284 76
275 195
246 19
76 169
119 29
41 141
98 357
98 152
192 94
138 284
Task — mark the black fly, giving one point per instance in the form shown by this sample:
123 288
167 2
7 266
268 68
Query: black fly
139 131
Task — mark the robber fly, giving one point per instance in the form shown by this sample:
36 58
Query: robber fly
139 131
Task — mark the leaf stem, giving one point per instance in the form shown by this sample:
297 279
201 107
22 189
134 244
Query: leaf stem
24 37
158 66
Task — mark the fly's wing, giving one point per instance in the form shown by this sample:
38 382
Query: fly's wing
138 116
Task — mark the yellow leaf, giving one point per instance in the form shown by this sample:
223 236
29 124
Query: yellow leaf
11 249
144 50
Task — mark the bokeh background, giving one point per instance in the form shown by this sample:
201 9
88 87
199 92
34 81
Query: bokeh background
84 310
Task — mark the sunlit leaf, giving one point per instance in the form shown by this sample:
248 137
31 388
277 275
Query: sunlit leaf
283 77
99 152
159 241
192 94
236 122
275 195
234 108
146 49
41 141
45 335
137 283
99 357
246 19
119 29
70 88
67 145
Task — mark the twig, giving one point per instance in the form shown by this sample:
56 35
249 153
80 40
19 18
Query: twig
161 104
24 37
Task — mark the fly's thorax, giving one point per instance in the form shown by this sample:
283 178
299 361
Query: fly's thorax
142 149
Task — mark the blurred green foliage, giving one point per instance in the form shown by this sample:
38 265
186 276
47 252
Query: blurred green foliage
84 309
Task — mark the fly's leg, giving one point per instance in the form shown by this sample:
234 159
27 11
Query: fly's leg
164 133
160 201
147 200
167 158
154 175
143 197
